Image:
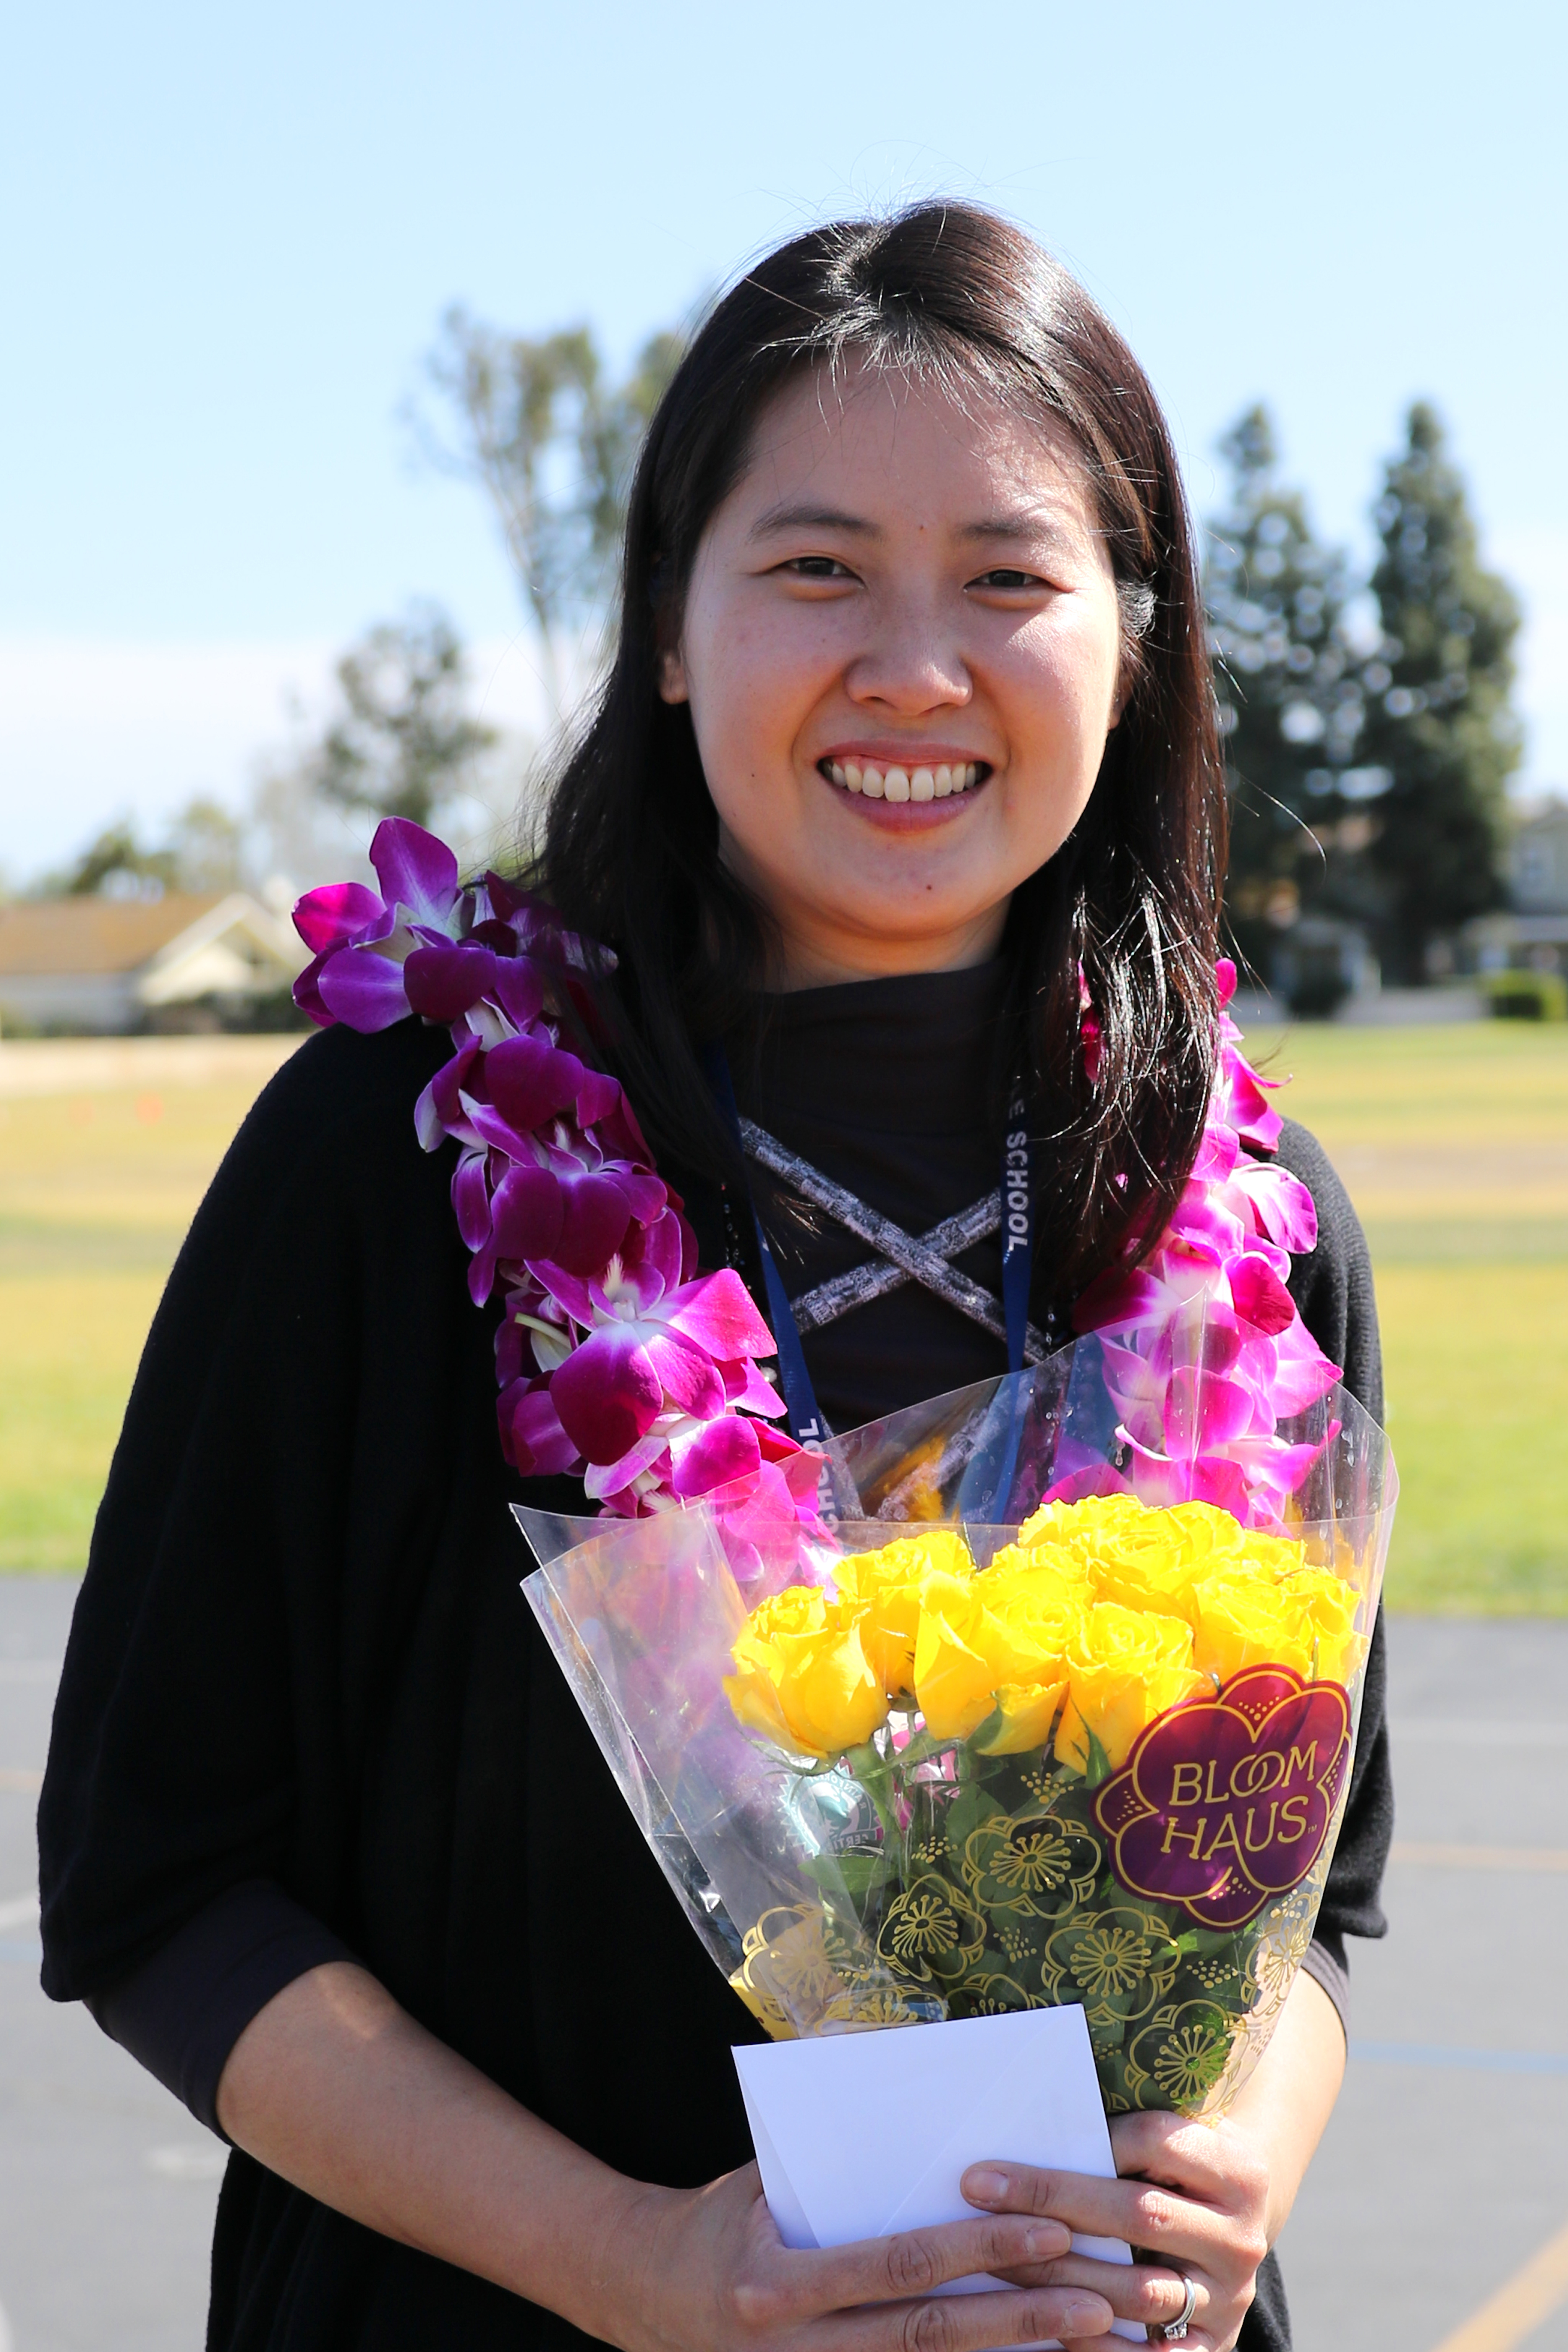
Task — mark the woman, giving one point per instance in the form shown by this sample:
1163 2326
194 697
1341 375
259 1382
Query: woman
910 726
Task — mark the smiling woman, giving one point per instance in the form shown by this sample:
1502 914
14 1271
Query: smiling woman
910 507
902 814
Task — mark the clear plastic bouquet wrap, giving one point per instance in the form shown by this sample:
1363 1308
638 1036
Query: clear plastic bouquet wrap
1006 1728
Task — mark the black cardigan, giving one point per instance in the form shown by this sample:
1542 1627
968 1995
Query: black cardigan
305 1710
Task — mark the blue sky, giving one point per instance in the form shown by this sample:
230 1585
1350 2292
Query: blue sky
231 233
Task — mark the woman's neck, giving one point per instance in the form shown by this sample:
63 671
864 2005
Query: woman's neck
806 957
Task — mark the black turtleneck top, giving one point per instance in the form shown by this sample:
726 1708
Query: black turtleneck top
891 1088
306 1712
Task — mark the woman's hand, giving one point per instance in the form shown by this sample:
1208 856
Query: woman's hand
1201 2201
705 2271
1196 2209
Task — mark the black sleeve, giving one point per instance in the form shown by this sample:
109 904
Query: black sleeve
181 2012
1332 1287
196 1821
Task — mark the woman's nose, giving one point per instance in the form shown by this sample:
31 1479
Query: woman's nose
911 661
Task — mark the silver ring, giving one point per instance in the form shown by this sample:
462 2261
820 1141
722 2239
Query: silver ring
1177 2328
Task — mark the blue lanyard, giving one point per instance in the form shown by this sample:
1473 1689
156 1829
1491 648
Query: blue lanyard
809 1424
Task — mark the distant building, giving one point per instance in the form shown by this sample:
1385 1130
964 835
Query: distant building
1537 863
1532 933
182 961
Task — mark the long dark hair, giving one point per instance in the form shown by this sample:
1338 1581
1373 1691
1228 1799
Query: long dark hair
949 295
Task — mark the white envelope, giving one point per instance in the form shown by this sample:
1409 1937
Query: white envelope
858 2134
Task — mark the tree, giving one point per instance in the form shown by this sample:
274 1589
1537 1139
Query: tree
553 442
115 865
206 843
1440 722
201 853
405 737
1289 698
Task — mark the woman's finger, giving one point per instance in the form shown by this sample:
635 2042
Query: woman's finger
1206 2160
913 2263
1152 2292
977 2323
1142 2213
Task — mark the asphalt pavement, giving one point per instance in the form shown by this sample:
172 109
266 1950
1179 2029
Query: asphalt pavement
1444 2173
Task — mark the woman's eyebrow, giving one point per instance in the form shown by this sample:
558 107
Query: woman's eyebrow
1032 524
796 515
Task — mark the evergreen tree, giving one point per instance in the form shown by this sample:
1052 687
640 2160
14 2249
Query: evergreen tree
404 740
1289 701
1439 722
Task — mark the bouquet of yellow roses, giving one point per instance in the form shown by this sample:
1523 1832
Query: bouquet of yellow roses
1005 1736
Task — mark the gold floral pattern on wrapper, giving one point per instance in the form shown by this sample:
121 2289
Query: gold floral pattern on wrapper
802 1972
1000 1891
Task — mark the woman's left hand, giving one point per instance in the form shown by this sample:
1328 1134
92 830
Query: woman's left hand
1193 2201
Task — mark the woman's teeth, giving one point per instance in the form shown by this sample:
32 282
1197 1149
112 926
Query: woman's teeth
902 783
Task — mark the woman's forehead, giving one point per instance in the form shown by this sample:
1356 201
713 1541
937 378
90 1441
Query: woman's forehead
887 431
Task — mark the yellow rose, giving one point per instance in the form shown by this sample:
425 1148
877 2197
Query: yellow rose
1027 1713
1329 1606
1115 1537
802 1675
1245 1619
966 1652
1153 1579
1047 1566
1084 1529
1037 1614
1124 1667
881 1591
956 1673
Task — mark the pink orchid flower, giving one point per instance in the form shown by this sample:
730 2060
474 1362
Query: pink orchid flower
654 1342
361 943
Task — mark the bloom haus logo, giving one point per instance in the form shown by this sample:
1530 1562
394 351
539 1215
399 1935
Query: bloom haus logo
1226 1802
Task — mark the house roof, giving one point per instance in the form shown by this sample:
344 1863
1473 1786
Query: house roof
95 934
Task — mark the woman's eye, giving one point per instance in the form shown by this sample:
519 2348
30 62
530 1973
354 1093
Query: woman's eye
1005 578
816 567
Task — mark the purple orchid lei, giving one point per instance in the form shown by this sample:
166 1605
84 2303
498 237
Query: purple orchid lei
614 1357
618 1359
1204 1350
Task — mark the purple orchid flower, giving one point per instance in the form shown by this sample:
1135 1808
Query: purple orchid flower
361 943
1205 1351
654 1342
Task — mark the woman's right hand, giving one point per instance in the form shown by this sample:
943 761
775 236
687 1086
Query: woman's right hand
705 2270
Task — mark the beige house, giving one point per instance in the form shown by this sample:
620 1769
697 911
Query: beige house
1532 932
113 964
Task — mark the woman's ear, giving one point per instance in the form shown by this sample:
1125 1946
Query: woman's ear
672 686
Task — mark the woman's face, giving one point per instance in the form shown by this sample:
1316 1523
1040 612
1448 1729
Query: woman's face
900 647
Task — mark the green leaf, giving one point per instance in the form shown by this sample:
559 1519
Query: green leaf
861 1871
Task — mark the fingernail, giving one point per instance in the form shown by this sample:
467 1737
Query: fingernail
984 2187
1081 2316
1045 2237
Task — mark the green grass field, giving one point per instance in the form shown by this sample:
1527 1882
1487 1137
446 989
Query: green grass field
1453 1141
1454 1145
98 1183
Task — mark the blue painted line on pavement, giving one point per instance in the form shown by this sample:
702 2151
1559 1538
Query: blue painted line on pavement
1440 2054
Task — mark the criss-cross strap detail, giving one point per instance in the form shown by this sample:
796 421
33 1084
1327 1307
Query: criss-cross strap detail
904 1258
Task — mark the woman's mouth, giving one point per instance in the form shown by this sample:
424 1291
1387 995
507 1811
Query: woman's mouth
877 780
